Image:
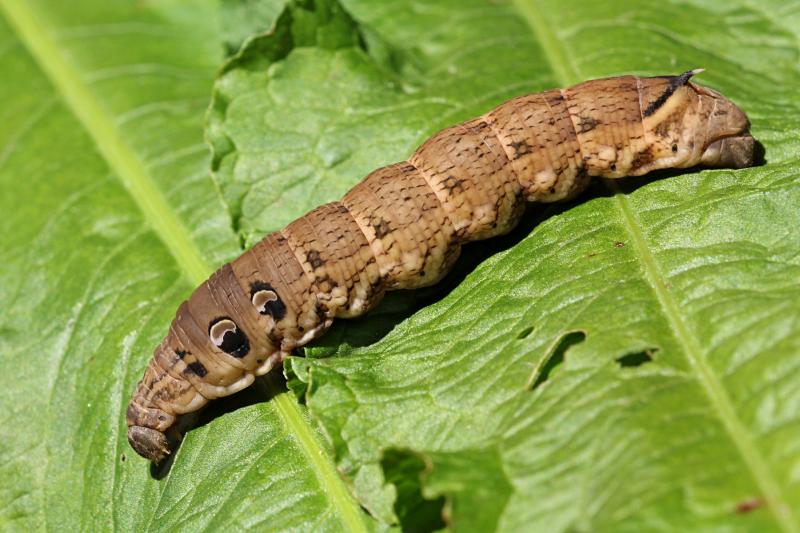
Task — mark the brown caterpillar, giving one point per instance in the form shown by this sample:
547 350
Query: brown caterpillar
403 227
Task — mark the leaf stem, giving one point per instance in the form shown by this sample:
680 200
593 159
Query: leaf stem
98 123
704 373
326 471
559 60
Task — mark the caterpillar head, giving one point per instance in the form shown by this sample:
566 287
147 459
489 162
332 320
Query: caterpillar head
686 125
727 129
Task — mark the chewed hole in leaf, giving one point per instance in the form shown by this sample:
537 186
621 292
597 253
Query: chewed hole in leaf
416 513
556 356
635 359
525 332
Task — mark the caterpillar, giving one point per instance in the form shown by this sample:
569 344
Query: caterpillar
403 225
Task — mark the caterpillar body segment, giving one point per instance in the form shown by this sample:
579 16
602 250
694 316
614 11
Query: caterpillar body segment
403 227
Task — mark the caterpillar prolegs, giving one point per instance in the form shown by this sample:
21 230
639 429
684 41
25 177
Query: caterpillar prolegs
403 226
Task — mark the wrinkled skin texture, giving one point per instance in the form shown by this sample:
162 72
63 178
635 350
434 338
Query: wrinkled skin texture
403 226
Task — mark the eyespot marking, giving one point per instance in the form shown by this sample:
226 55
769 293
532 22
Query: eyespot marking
227 336
266 300
262 298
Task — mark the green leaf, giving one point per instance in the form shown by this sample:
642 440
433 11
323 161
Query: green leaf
241 19
109 218
632 363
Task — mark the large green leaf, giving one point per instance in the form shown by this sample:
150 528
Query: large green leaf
109 218
631 364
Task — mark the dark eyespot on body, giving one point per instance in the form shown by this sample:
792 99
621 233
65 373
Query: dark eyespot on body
674 148
267 301
227 336
262 298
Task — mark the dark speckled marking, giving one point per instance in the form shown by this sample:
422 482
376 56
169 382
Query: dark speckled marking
196 368
587 124
314 259
382 228
451 184
645 157
521 148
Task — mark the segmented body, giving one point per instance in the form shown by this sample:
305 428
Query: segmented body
403 227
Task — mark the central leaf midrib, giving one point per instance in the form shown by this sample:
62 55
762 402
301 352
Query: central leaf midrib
705 374
132 171
566 75
127 165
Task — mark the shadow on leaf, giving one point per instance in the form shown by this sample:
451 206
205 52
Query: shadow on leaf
416 513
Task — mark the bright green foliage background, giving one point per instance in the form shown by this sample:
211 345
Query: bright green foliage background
630 361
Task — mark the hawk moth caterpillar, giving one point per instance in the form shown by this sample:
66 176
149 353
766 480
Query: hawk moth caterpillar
403 226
